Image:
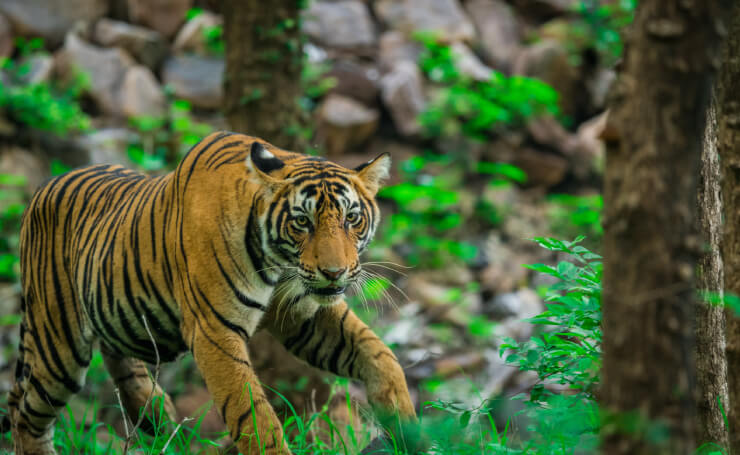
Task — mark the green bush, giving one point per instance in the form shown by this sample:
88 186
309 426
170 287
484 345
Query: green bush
41 105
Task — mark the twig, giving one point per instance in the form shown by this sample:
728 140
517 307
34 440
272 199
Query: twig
155 381
172 436
123 413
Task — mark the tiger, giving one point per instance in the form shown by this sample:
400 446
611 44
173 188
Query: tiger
241 236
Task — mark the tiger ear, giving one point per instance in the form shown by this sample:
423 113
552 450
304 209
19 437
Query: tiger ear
263 163
374 172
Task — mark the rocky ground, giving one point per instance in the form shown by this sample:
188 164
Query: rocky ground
140 54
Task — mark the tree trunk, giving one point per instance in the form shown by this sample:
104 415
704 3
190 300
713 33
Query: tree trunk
650 241
262 83
711 364
728 142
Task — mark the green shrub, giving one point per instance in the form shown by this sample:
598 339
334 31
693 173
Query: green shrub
43 106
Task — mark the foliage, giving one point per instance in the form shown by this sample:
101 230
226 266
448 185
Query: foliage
13 197
473 108
601 24
570 215
161 142
213 35
40 105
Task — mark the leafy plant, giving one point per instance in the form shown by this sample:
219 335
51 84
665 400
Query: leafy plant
40 105
13 197
477 109
601 24
571 214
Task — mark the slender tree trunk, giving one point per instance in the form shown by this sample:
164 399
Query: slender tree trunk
728 142
711 364
650 242
263 69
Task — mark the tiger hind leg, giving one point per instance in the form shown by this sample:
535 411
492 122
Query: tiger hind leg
138 390
48 373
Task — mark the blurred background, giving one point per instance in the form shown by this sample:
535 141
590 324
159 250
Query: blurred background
491 110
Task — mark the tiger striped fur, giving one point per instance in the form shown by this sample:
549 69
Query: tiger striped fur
240 236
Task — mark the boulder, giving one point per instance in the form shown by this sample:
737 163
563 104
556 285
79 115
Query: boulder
445 18
107 146
402 93
542 168
164 16
191 38
548 61
146 46
522 305
469 64
504 272
117 84
23 163
345 123
105 68
196 79
40 68
396 47
340 25
140 93
50 19
499 31
357 81
6 37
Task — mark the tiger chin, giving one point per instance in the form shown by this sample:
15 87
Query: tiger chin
242 236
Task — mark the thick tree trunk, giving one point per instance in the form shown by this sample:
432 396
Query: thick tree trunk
728 142
711 364
263 69
650 241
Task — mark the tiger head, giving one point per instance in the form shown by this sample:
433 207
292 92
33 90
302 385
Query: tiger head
317 218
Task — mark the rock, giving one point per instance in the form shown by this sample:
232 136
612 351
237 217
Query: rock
196 79
469 64
394 48
191 37
402 93
50 19
599 85
443 303
443 17
345 123
340 25
545 9
542 168
504 273
107 146
525 304
549 61
164 16
140 94
464 363
356 81
146 46
499 31
497 374
40 68
106 69
117 84
547 131
6 37
25 164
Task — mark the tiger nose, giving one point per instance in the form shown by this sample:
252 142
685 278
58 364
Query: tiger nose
333 273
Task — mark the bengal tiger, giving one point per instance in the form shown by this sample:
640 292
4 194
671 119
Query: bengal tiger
240 236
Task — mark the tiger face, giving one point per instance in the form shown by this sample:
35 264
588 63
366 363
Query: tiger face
318 218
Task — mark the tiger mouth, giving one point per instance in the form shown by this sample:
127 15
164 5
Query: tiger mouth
329 291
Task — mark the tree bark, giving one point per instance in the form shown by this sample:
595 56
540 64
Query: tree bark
728 142
264 56
650 241
711 363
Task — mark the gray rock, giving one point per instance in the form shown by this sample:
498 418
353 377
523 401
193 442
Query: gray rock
357 81
141 94
146 46
40 68
164 16
107 146
6 37
498 28
191 37
340 25
106 69
396 47
469 64
345 123
523 304
196 79
402 93
21 162
50 19
443 17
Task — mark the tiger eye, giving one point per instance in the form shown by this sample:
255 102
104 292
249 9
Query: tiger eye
301 220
